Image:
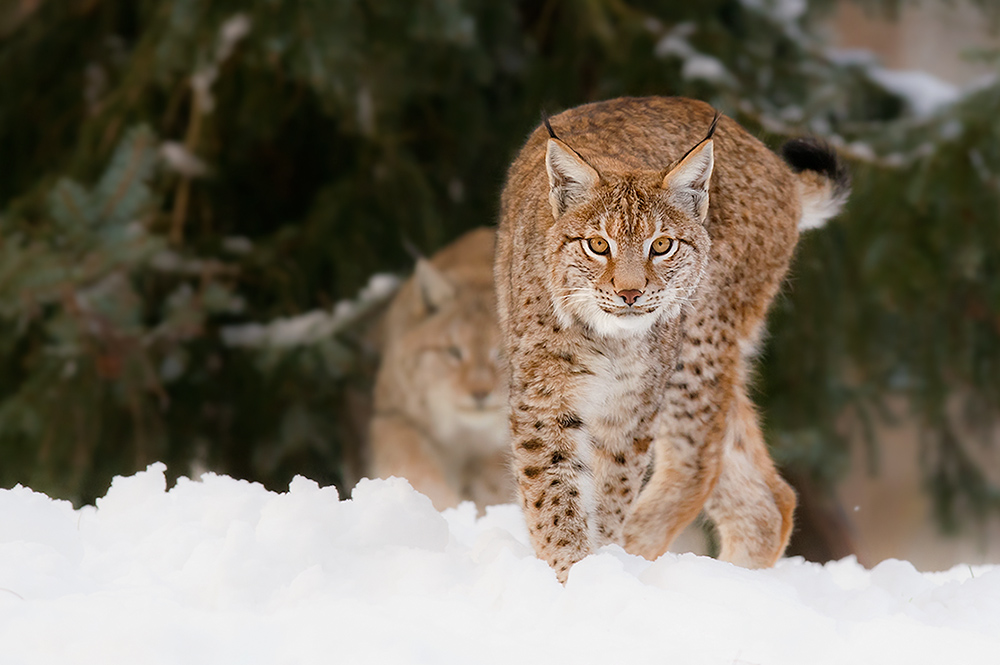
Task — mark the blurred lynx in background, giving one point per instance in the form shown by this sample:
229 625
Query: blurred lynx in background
440 405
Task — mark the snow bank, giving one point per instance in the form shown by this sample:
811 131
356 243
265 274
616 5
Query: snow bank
223 571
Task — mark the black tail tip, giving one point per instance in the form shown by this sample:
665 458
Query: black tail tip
813 154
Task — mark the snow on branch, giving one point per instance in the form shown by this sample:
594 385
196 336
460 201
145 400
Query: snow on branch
317 325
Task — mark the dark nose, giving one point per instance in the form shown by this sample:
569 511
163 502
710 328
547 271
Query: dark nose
480 397
629 296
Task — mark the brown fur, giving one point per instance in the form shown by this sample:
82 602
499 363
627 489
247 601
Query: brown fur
440 402
592 381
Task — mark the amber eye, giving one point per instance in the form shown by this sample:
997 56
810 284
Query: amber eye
662 245
598 245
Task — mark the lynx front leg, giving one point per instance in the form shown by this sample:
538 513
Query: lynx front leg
398 449
683 477
718 462
580 424
555 487
687 451
751 505
575 491
617 471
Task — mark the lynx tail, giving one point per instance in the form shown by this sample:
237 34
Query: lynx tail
824 181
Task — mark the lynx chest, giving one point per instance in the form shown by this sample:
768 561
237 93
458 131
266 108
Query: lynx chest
621 389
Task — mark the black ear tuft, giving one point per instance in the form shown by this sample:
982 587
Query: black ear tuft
813 154
548 125
711 133
711 130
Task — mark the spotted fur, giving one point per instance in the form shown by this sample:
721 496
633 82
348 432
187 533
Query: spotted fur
622 357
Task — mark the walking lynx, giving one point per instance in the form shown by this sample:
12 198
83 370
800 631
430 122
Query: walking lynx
440 403
640 244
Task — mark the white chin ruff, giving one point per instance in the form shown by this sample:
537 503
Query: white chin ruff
609 325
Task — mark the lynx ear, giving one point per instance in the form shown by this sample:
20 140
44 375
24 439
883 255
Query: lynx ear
434 288
571 179
688 181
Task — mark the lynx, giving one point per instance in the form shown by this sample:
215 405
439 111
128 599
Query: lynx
640 244
440 403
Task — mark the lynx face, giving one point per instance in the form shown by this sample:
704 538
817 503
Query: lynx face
626 249
456 369
440 404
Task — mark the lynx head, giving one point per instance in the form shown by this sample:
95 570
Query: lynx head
451 359
628 247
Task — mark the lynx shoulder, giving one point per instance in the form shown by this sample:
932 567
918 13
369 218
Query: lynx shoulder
641 242
440 403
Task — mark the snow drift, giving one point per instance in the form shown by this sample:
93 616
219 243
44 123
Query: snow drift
223 571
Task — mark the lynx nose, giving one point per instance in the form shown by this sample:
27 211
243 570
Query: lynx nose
629 296
480 396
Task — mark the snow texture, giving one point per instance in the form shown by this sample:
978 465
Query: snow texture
224 571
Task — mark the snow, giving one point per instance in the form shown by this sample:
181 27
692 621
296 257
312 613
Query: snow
705 67
852 57
315 325
181 160
696 65
233 29
784 11
924 93
219 570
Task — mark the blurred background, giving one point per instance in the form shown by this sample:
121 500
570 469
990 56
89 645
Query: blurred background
205 206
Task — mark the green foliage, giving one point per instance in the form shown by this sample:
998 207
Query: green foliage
190 187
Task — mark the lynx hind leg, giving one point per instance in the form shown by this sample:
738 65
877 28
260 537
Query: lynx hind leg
751 505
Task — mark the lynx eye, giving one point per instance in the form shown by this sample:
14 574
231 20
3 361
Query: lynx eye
598 245
455 352
663 246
